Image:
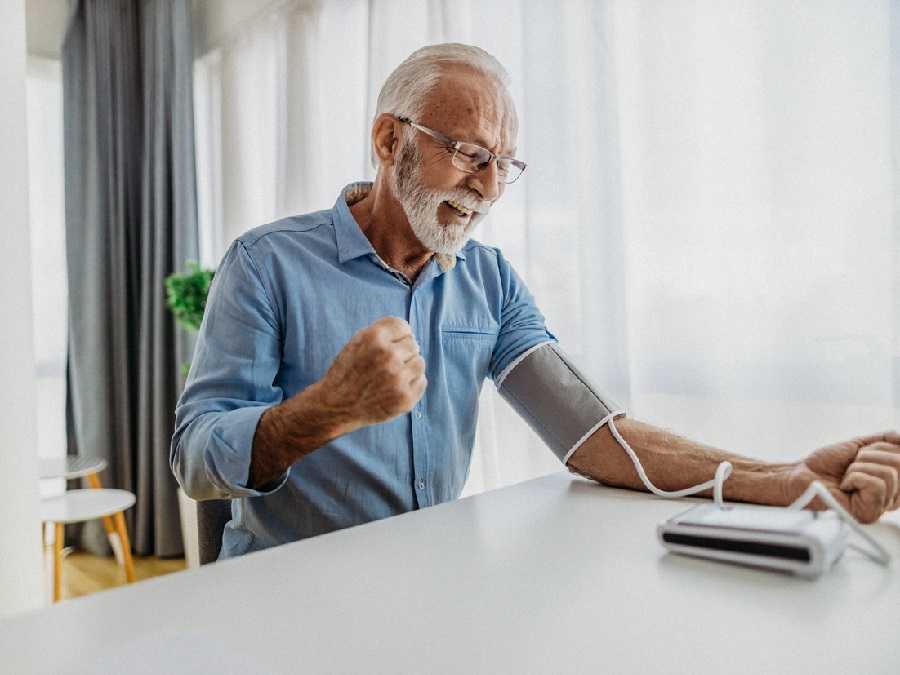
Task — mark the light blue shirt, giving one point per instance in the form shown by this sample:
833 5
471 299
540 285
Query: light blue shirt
285 300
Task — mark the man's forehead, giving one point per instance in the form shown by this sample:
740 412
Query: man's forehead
467 101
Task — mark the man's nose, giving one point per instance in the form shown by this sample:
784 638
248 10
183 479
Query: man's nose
486 182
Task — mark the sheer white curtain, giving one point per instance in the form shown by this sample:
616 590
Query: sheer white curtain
707 219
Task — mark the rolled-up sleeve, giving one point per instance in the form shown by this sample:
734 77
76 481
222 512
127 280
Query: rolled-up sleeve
230 384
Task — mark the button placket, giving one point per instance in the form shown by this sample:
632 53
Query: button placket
420 458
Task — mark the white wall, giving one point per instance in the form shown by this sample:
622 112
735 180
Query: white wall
46 22
20 532
216 21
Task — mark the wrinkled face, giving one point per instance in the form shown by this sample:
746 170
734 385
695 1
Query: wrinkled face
442 202
424 205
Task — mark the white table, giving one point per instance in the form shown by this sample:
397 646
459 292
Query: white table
554 575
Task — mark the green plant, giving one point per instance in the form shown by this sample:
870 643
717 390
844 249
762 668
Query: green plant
186 294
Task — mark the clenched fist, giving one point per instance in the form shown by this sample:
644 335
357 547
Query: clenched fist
375 377
863 474
378 375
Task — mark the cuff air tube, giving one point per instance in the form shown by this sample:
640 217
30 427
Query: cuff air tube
556 399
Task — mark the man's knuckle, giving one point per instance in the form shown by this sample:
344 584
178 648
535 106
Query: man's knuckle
388 379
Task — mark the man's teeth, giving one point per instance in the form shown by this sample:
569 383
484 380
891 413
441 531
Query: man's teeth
459 207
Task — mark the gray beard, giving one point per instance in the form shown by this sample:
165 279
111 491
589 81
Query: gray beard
421 205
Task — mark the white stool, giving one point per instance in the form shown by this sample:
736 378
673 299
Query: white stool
77 506
73 466
87 467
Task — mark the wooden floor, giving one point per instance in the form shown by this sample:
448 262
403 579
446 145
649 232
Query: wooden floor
83 574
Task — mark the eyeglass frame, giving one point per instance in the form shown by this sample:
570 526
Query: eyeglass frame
451 143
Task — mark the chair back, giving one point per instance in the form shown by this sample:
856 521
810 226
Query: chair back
212 516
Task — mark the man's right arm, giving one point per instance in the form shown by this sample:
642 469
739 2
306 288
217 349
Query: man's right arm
377 376
235 434
230 384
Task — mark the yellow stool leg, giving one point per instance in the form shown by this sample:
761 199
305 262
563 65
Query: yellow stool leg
94 482
126 545
57 561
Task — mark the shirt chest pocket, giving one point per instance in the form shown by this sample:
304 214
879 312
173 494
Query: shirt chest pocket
468 348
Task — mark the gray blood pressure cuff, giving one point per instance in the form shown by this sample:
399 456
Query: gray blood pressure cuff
556 399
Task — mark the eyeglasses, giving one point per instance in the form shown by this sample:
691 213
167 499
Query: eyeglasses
473 158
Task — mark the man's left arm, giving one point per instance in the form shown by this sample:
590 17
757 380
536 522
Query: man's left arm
863 474
574 417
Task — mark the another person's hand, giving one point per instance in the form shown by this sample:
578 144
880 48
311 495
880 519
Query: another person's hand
863 474
377 376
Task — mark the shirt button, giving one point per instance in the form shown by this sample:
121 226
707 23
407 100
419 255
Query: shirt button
419 415
421 484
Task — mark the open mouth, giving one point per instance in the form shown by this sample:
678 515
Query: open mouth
458 209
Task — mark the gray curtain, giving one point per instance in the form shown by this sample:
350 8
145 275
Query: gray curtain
130 221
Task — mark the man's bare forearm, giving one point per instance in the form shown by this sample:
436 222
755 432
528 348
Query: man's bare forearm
674 463
290 431
378 375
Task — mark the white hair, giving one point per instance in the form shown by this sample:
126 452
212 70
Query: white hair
404 91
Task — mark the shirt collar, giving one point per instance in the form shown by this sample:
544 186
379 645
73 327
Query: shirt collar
352 243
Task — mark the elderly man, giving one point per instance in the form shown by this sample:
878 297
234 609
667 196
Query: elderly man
337 372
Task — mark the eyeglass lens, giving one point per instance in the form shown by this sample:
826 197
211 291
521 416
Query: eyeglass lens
472 158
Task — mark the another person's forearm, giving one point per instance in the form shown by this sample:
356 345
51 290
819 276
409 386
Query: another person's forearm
674 463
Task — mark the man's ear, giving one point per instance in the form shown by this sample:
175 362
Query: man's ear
386 138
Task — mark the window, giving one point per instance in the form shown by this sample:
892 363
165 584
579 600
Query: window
48 252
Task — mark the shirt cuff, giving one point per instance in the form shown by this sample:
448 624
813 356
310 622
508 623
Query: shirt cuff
228 456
